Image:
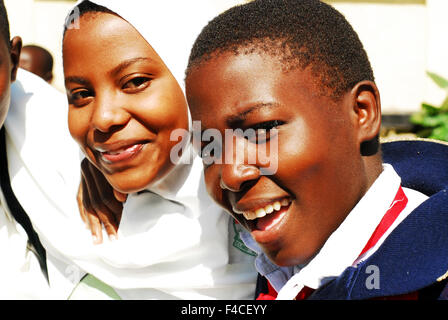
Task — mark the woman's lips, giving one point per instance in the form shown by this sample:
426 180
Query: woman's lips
121 154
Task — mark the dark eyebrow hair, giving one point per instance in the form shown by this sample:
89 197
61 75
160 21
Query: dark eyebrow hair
241 117
123 65
75 79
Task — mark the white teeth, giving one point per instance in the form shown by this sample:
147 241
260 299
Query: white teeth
269 208
115 152
277 205
250 215
261 212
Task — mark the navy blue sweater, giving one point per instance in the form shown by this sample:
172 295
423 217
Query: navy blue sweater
415 255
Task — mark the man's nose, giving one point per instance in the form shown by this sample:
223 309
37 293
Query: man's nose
237 169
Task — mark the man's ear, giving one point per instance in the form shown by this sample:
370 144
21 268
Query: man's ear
16 48
367 111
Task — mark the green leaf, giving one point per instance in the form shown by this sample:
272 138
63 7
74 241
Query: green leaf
440 133
431 110
417 118
439 80
425 133
444 106
432 120
435 121
429 121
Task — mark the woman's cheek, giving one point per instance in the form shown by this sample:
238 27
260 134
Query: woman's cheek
78 125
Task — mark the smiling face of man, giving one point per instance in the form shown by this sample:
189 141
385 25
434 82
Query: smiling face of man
321 174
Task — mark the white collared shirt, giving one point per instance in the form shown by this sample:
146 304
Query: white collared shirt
343 247
21 276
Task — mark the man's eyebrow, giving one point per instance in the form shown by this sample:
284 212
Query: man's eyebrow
126 63
241 117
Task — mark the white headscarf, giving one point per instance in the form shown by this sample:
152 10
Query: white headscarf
170 27
173 242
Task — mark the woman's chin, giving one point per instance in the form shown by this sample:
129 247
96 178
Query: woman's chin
138 178
126 184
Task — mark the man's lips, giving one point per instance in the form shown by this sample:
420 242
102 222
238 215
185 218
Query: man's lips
265 216
269 221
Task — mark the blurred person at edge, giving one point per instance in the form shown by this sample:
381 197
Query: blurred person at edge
39 174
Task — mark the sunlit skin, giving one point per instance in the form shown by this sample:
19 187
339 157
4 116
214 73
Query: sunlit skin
9 58
321 173
123 101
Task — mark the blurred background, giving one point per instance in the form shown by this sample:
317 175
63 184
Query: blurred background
406 41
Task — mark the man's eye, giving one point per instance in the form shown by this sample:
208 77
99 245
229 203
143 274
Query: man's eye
136 84
268 125
262 132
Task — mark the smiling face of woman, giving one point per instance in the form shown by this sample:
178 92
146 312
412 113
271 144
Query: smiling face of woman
320 175
123 101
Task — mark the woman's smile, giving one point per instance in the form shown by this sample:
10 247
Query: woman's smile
123 103
122 154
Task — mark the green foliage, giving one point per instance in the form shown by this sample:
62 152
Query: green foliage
432 121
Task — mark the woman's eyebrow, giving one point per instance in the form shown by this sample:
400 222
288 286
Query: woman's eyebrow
123 65
75 79
126 63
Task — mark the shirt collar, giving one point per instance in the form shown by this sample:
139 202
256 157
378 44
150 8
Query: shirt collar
276 275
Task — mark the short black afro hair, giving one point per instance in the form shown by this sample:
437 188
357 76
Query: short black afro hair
305 32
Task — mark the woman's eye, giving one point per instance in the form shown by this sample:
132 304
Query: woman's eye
136 84
80 97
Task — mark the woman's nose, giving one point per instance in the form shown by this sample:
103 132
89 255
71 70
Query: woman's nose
108 115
